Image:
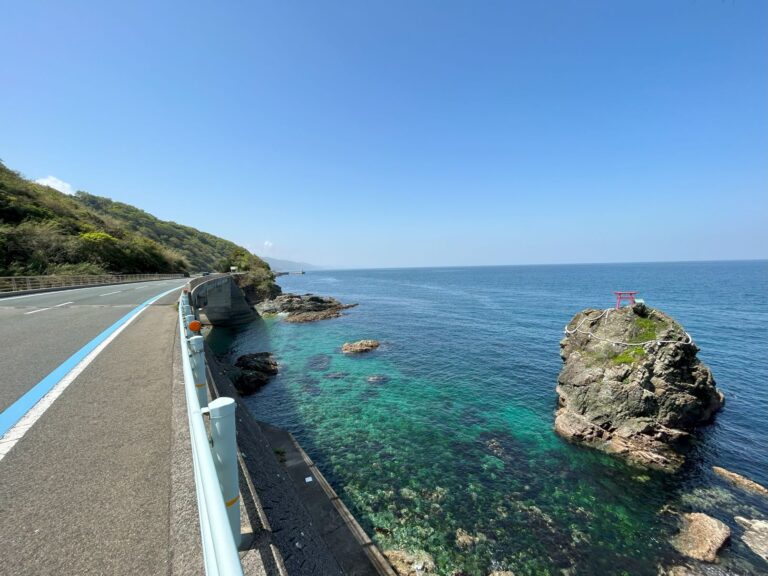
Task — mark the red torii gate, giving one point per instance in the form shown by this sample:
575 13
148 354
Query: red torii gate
625 295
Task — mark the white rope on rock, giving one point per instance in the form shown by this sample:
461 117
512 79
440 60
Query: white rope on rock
605 313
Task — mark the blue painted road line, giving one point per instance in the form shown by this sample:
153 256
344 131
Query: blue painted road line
16 411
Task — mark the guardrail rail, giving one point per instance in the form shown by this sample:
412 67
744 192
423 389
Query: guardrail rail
24 283
214 457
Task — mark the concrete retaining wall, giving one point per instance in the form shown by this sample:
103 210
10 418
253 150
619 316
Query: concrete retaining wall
221 300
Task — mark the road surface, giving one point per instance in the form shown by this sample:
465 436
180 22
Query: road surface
88 488
40 331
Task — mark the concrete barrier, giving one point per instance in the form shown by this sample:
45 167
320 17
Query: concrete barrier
221 300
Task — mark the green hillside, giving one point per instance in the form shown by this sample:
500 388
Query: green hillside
43 231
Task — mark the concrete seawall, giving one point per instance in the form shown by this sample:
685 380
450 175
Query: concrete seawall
221 300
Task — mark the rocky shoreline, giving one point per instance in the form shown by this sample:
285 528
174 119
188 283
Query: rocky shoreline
253 370
300 308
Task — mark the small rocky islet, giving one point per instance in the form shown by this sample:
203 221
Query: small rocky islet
299 308
632 385
360 346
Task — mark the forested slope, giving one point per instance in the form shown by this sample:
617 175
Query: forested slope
43 231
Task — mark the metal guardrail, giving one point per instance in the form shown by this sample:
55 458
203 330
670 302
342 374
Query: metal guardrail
214 458
24 283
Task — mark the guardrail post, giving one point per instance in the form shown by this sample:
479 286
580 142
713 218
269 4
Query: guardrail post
197 359
224 441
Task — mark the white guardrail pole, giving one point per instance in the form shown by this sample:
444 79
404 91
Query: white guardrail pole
224 447
197 359
220 536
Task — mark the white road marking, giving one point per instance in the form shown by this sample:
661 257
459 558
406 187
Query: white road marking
110 293
17 431
20 428
63 304
36 311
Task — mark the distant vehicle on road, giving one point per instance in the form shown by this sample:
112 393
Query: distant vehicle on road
205 273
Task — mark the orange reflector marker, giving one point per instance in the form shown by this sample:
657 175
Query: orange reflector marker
195 326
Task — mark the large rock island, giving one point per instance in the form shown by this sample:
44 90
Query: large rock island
632 385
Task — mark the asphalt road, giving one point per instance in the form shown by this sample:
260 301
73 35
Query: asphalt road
40 331
87 490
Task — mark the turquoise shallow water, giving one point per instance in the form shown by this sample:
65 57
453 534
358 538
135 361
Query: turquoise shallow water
459 436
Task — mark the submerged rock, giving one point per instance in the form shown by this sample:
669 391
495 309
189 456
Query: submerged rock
740 481
496 448
465 540
408 493
755 535
681 571
359 346
718 500
255 370
414 563
319 362
303 308
701 537
631 384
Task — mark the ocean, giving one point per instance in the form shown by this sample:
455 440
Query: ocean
455 436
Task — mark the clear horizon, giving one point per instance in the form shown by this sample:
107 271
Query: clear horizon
734 260
407 136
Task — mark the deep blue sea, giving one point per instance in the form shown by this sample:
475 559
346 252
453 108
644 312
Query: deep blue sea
457 435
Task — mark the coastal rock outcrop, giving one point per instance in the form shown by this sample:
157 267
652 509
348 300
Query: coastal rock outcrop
632 385
755 535
303 307
740 481
254 370
257 285
359 346
701 537
465 540
416 563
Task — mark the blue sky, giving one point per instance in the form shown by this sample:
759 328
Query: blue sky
381 134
